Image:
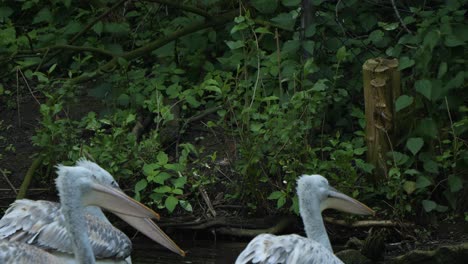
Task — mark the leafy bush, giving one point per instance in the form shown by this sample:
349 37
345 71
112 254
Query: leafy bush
291 98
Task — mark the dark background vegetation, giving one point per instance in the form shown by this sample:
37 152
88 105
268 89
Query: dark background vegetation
202 105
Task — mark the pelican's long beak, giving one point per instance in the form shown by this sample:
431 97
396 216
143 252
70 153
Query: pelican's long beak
344 203
151 230
116 201
131 211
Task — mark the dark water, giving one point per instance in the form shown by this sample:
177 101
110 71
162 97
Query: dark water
201 251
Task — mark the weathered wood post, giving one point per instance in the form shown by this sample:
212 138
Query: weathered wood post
381 88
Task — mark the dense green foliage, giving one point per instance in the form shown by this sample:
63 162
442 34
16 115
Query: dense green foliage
290 99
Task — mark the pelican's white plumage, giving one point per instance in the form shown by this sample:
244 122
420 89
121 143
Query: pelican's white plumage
77 225
315 195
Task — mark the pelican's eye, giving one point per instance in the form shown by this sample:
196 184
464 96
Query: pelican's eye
115 184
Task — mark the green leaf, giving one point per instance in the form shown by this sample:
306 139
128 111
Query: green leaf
411 172
285 20
177 191
171 203
442 70
388 26
265 6
455 183
429 205
235 44
431 166
180 182
162 189
341 53
275 195
431 39
427 127
263 30
72 28
186 205
295 205
175 167
52 68
376 36
409 187
256 127
309 46
402 102
414 145
453 41
123 99
310 30
424 87
162 158
281 201
130 118
116 28
291 3
291 46
441 208
140 185
320 85
5 12
398 157
161 177
98 28
405 62
150 169
44 15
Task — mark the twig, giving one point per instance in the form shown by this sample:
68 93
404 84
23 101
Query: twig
258 69
449 254
219 20
27 85
32 189
27 179
366 223
69 47
8 181
17 98
91 24
455 138
207 200
42 60
399 17
240 232
278 56
337 19
187 8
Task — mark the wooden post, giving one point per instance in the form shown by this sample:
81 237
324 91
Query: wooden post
381 88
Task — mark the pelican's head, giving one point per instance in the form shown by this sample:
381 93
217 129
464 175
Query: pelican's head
315 188
90 185
99 174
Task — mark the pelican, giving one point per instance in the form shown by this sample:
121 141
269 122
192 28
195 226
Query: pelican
76 230
315 195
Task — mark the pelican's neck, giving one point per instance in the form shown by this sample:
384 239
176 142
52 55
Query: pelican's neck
71 190
313 222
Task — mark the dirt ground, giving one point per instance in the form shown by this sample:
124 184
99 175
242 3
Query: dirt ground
18 125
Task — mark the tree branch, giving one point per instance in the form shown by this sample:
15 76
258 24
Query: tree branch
187 8
97 19
219 20
68 47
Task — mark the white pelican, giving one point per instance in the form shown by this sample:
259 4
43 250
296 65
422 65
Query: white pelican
315 195
54 232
